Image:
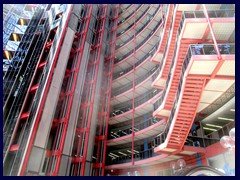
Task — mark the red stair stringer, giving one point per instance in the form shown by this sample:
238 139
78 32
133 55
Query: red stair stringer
184 116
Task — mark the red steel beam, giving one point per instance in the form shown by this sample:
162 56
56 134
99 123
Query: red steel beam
110 91
133 93
66 119
98 47
211 30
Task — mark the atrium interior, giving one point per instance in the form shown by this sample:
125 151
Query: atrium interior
118 89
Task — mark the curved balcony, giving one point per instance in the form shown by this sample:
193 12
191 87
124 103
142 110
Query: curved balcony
121 12
192 146
142 104
124 131
125 29
126 18
124 57
143 27
139 81
146 132
138 63
226 49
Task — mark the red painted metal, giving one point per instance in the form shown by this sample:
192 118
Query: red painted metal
133 92
166 29
14 148
24 166
34 88
215 150
76 70
97 48
24 115
212 33
112 57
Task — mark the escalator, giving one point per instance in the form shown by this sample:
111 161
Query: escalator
200 170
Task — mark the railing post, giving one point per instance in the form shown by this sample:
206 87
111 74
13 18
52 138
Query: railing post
202 132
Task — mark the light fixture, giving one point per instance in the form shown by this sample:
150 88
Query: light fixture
233 110
21 22
113 154
226 119
124 133
209 129
15 37
122 153
212 125
136 151
173 165
228 141
130 151
136 173
181 163
7 54
232 134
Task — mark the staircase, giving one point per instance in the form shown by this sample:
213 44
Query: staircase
185 116
171 49
176 76
167 28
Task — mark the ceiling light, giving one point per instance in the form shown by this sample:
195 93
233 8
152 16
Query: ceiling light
122 153
209 129
136 151
130 151
113 154
21 22
214 125
7 54
233 110
226 119
15 38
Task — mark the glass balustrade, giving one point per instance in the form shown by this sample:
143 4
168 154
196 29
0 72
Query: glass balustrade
211 13
127 106
145 57
126 18
123 10
129 85
116 60
138 127
140 29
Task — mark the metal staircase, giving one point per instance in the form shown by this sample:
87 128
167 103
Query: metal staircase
171 49
186 113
